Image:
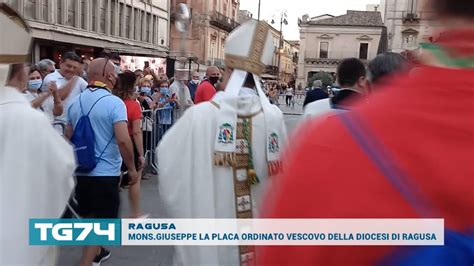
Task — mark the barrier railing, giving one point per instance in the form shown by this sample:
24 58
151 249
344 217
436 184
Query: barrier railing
155 123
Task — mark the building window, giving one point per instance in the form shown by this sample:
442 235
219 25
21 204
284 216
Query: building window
138 25
103 16
128 22
163 31
154 27
149 24
59 14
212 50
71 13
83 14
30 9
94 13
113 22
323 49
364 51
408 42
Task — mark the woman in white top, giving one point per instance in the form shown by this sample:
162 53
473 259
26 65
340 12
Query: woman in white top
49 102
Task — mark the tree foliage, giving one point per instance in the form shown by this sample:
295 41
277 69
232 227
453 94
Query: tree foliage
325 78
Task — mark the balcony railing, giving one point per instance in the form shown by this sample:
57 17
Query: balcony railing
272 70
223 22
411 17
218 62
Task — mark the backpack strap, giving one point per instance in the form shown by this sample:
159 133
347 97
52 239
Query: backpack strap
90 110
80 105
380 157
106 146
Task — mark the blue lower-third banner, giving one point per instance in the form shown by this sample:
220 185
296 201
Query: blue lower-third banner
212 232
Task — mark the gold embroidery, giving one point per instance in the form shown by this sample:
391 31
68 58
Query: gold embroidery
13 59
224 159
240 163
252 63
244 63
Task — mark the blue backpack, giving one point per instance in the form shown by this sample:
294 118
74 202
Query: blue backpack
458 247
83 140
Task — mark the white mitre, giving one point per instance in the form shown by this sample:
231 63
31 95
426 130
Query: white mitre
249 47
15 41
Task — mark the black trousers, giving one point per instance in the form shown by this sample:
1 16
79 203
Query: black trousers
98 196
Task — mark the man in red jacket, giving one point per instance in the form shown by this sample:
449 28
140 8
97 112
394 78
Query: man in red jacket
206 90
424 121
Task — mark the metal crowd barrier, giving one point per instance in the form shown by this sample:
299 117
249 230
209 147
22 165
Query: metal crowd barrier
155 123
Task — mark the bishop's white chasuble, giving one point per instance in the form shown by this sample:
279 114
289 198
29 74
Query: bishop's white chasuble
36 169
196 181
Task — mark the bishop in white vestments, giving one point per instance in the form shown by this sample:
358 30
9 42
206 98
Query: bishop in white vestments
36 163
218 159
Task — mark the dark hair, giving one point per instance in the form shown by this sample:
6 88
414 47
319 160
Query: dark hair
111 55
463 8
71 56
115 56
125 85
386 64
162 81
350 71
33 69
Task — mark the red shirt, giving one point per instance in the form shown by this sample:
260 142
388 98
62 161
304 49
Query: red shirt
134 112
204 92
425 121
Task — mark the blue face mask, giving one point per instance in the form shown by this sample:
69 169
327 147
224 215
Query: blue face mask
164 90
146 90
34 85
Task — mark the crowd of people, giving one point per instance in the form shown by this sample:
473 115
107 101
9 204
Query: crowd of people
402 133
124 108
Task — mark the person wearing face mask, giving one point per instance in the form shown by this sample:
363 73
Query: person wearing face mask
168 101
97 191
206 90
145 86
193 84
50 102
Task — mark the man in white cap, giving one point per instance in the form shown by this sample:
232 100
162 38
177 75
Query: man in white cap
36 163
217 160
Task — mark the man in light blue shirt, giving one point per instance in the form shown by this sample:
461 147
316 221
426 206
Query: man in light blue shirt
103 116
97 192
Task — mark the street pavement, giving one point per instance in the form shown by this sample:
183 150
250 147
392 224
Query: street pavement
153 255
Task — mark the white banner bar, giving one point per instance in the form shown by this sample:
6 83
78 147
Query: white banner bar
297 232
